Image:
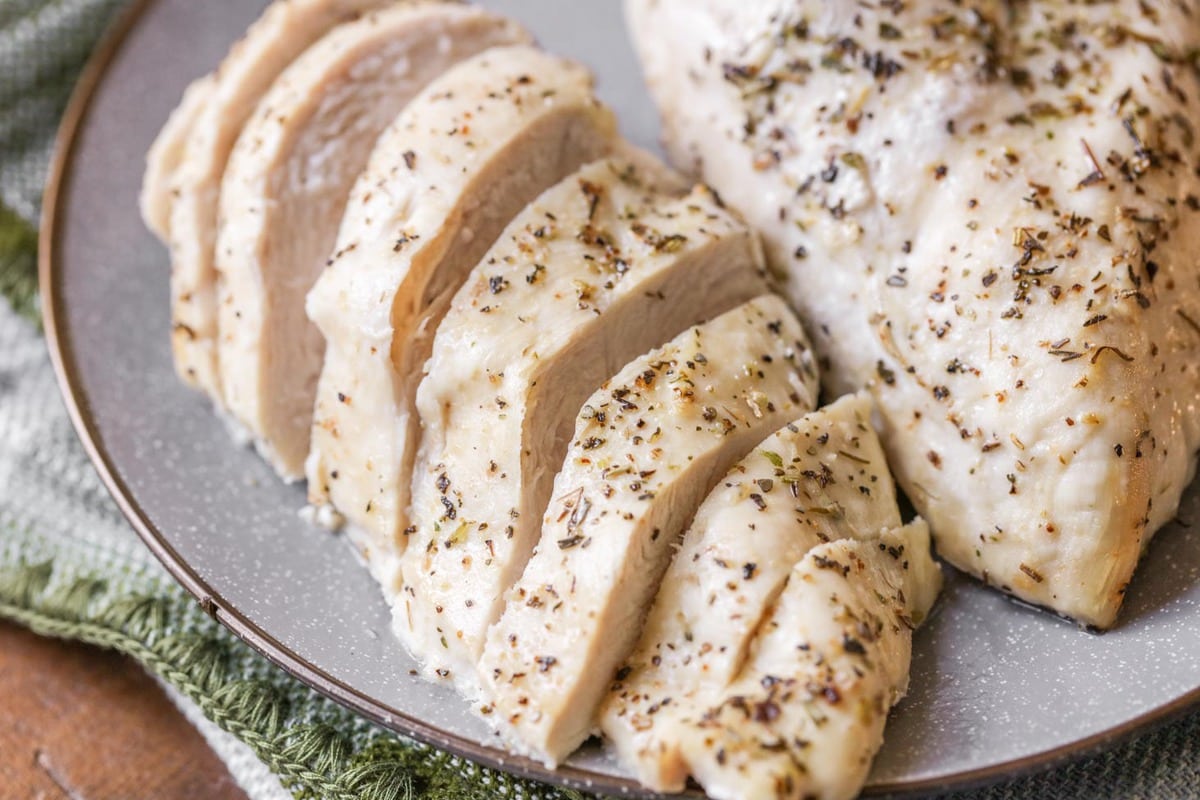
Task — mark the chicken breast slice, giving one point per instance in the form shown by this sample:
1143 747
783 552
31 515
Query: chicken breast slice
816 480
648 447
217 113
164 156
285 189
466 155
601 268
1012 226
806 715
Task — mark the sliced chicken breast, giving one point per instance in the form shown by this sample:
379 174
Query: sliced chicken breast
818 479
648 447
477 145
165 154
806 715
285 190
988 216
217 113
601 268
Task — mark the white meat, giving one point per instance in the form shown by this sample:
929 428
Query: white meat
648 447
601 268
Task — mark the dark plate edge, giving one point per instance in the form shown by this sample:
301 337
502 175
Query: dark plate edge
61 356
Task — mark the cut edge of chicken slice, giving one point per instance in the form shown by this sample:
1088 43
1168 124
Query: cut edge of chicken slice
285 189
478 144
284 30
647 449
806 715
820 478
162 160
601 268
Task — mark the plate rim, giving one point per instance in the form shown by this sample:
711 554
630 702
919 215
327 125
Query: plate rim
57 334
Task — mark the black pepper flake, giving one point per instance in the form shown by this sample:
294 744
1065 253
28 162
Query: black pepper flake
403 240
828 563
853 646
410 159
765 711
748 570
545 663
885 374
497 284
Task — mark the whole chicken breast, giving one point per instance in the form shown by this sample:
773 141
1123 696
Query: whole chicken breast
987 215
816 480
463 158
601 268
186 179
285 189
648 447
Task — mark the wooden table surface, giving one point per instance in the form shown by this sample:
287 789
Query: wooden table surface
81 723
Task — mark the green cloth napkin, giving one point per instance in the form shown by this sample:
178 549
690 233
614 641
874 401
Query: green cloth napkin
71 567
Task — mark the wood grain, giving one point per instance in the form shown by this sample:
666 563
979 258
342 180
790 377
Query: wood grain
86 724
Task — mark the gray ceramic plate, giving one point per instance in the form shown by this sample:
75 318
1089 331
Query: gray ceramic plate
997 688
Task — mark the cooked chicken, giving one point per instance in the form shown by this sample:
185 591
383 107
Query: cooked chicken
648 446
165 154
988 213
819 479
213 115
806 714
284 191
477 145
598 270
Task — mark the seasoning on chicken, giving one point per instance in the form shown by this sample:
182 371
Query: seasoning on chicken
601 268
462 159
183 181
806 715
989 214
285 189
816 480
648 447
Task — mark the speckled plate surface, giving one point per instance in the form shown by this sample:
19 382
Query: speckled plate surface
997 688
